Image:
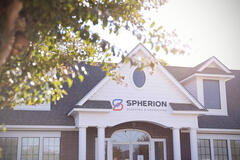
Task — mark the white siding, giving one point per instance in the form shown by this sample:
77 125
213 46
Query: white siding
191 86
157 87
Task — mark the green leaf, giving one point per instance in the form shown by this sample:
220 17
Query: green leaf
127 60
69 81
64 92
81 77
152 25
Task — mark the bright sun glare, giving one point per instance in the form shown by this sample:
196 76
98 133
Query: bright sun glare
210 28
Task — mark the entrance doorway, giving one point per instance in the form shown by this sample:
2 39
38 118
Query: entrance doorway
131 151
131 144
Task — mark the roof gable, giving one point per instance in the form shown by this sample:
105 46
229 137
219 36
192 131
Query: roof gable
213 62
140 50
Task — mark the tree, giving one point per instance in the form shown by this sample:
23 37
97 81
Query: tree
42 42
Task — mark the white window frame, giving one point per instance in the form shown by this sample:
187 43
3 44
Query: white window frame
212 137
30 134
153 140
132 81
39 107
223 98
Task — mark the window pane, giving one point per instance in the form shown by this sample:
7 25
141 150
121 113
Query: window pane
30 148
211 94
204 152
120 151
235 149
220 149
159 151
139 78
140 151
51 148
9 148
130 136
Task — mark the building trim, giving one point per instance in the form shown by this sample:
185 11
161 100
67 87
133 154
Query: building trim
88 110
40 128
189 112
194 75
219 131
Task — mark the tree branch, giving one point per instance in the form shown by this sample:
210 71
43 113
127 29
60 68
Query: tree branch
9 30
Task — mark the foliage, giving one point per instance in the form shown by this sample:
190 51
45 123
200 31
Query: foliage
57 35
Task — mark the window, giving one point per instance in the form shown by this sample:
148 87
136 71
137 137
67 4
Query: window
130 136
40 107
30 149
30 145
220 149
211 94
139 78
51 148
159 150
9 148
235 149
204 152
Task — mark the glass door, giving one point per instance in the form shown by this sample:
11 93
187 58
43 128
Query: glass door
121 151
130 151
140 152
129 144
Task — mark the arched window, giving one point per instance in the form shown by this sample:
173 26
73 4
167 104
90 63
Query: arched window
130 136
139 78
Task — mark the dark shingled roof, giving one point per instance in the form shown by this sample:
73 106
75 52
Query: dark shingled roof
181 73
185 107
59 111
92 104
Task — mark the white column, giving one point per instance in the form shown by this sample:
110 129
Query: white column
229 149
176 144
82 145
193 143
101 143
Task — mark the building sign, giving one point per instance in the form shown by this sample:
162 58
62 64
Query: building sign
138 105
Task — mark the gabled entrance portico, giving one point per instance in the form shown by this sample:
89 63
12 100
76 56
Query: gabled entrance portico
170 141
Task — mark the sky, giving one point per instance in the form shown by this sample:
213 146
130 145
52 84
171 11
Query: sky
209 27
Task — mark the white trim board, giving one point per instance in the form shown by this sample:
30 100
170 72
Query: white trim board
20 134
227 77
218 131
40 128
88 110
